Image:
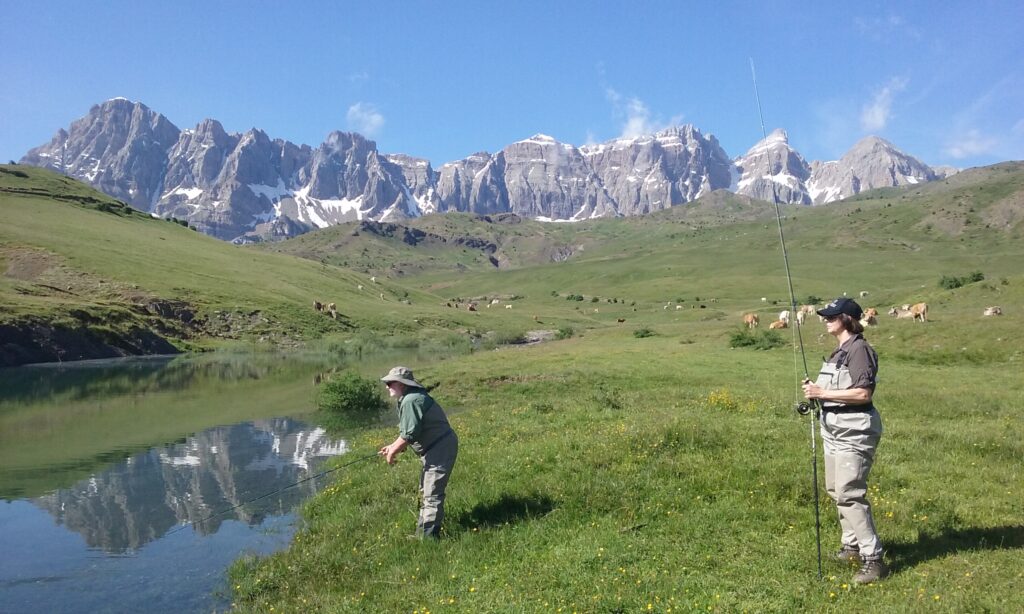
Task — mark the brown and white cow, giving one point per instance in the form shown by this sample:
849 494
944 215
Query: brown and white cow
994 310
870 317
751 320
777 324
919 311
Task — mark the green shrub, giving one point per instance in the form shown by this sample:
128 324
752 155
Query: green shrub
640 333
950 282
758 340
565 332
350 400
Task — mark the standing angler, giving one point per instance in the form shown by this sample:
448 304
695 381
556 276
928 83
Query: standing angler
423 426
850 430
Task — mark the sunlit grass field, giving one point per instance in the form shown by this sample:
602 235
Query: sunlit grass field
609 473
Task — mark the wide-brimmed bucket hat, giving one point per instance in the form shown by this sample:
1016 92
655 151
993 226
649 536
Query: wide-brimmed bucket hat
403 375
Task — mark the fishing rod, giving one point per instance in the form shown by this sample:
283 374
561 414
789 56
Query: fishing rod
803 408
270 494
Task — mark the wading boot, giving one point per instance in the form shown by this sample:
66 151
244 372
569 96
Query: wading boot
848 554
871 571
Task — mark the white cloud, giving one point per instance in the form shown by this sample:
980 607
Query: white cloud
874 115
637 119
365 119
972 143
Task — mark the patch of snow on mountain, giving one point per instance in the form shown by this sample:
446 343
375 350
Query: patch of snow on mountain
411 204
831 194
426 203
539 139
271 192
189 193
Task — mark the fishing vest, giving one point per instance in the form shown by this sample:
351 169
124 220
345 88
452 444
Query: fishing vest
836 376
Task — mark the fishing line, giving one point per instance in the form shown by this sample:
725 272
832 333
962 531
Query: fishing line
804 408
270 494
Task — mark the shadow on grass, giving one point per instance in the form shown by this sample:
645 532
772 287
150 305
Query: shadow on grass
951 541
508 509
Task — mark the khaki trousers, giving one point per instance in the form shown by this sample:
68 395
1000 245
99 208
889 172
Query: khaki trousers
850 440
438 464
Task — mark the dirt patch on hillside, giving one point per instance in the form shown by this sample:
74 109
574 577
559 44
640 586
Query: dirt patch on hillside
1006 213
948 223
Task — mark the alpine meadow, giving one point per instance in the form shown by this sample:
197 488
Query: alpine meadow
626 444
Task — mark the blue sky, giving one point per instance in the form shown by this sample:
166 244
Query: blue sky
943 81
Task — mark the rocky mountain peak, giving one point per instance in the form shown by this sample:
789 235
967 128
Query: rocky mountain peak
773 171
251 187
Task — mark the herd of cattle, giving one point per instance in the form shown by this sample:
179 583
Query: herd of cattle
918 312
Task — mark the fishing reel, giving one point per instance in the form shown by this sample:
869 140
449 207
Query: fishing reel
804 408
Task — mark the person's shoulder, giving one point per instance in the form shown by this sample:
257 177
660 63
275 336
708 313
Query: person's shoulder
417 397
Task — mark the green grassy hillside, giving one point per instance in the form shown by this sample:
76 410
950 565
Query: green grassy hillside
72 260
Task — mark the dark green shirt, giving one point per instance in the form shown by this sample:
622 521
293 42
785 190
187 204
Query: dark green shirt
421 421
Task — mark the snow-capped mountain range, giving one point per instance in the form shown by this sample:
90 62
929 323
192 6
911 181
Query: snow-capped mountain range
249 187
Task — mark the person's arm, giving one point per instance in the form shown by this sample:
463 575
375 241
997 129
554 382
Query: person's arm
863 367
851 396
389 452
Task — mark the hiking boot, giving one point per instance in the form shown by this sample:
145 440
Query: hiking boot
848 554
871 571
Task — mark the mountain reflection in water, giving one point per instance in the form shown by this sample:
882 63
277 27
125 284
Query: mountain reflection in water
141 498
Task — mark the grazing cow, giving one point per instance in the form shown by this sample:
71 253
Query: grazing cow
665 307
863 293
919 311
536 318
784 316
318 306
382 296
360 286
777 324
508 306
373 279
764 299
620 320
800 317
471 307
495 301
678 307
751 320
993 311
332 310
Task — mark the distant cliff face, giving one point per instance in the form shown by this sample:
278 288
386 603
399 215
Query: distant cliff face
249 187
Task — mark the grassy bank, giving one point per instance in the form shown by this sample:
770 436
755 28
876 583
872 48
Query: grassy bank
614 474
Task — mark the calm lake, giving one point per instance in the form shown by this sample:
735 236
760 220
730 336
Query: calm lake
110 469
